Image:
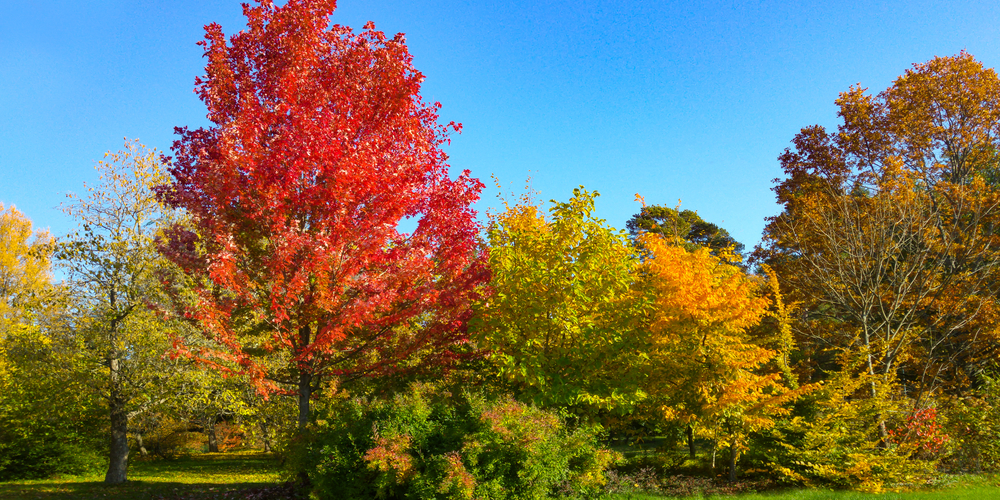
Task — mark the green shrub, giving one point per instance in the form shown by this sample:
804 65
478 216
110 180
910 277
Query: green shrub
52 421
429 443
42 449
974 428
838 441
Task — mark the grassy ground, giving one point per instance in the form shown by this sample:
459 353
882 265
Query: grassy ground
216 476
203 476
984 487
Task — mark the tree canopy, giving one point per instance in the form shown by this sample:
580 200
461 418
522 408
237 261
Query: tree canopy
684 224
320 147
565 318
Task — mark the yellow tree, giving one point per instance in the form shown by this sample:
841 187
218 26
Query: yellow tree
25 278
564 321
47 407
25 275
113 268
25 271
708 369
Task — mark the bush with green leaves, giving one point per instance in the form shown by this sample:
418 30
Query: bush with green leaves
973 425
836 439
431 443
50 415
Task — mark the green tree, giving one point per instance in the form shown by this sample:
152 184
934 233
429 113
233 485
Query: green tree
47 409
684 224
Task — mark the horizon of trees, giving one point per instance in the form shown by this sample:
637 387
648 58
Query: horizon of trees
856 346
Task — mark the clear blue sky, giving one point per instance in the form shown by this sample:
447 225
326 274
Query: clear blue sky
672 100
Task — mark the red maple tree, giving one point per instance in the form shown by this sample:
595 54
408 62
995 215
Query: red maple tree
321 146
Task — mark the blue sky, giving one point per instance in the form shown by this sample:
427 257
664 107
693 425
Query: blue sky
671 100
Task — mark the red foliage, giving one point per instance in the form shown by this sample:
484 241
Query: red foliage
923 430
321 146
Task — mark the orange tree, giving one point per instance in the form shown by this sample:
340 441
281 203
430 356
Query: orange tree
320 147
888 235
709 367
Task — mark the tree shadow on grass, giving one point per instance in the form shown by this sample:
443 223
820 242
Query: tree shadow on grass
150 490
198 477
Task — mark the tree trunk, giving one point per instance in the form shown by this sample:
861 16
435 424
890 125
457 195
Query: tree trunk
267 438
118 463
305 390
883 432
715 449
138 442
305 381
690 439
213 441
732 463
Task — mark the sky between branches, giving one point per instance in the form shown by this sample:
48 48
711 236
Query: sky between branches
671 100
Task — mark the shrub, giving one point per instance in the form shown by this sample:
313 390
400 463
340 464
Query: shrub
53 452
974 426
164 436
923 432
35 444
51 416
838 443
429 443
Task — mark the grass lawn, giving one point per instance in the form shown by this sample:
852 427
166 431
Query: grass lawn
203 476
984 487
219 476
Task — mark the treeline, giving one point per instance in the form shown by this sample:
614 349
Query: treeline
259 279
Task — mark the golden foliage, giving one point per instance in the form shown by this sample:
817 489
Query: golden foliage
709 367
565 320
25 269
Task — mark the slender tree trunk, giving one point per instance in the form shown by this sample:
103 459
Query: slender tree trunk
138 442
118 463
690 439
305 381
883 432
715 449
305 391
213 441
732 463
267 438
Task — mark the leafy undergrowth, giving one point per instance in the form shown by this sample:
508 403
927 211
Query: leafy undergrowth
209 476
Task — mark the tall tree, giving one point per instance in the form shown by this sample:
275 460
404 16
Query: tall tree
47 406
707 367
25 269
565 321
320 148
687 225
888 235
112 266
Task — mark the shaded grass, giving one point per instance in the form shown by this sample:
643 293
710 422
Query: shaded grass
218 476
662 457
986 487
203 476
